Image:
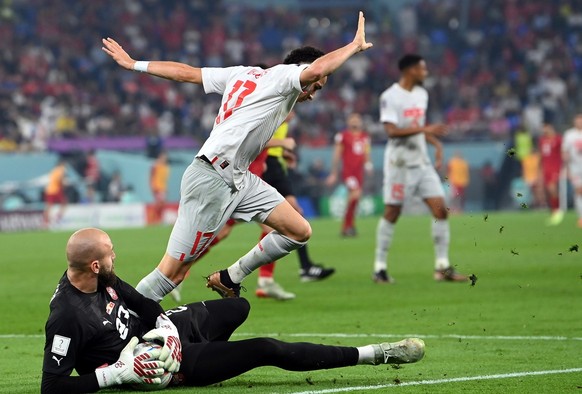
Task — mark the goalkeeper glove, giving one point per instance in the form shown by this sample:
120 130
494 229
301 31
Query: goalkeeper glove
129 369
167 333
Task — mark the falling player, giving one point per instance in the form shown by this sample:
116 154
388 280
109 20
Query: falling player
217 185
572 156
90 330
352 148
550 146
407 167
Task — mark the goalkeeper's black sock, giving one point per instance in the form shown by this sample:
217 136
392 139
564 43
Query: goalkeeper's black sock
304 259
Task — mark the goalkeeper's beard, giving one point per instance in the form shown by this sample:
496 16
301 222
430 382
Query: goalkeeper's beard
106 278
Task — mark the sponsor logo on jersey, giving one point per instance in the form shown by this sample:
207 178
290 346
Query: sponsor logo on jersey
58 360
60 345
109 307
111 292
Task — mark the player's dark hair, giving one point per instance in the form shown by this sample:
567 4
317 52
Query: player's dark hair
303 55
261 65
409 60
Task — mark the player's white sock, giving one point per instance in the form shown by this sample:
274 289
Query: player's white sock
271 248
265 280
384 233
441 235
155 285
578 204
366 355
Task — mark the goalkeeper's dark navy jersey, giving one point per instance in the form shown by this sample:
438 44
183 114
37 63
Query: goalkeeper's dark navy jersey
85 331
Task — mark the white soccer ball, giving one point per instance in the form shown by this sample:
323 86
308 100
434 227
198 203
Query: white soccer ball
144 347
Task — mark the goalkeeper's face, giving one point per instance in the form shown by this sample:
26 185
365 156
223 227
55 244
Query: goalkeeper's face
106 275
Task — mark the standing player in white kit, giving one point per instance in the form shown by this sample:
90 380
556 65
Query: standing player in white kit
408 170
217 185
572 157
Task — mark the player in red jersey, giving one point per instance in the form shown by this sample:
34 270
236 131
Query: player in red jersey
352 148
550 146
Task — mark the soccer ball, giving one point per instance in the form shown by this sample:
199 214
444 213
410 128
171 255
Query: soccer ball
144 347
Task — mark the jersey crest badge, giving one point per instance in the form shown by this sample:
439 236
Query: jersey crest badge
109 307
111 292
60 345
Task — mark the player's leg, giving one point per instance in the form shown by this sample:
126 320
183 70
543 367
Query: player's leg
262 203
578 203
354 195
205 206
267 287
551 181
394 193
309 271
205 364
431 190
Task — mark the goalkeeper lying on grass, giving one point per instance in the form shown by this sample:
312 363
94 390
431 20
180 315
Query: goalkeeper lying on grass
93 328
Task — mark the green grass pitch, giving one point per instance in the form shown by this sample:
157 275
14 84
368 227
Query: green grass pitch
529 286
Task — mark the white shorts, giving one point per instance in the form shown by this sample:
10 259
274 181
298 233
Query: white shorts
206 204
404 182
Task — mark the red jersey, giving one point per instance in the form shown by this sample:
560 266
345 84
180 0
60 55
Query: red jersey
551 152
257 167
354 152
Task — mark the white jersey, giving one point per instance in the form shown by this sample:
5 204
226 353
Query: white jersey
405 109
254 103
572 145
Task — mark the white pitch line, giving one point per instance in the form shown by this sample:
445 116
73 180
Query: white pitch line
441 381
347 335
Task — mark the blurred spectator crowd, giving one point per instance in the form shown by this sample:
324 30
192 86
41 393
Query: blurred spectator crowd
496 65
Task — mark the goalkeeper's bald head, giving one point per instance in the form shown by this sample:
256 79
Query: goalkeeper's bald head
86 246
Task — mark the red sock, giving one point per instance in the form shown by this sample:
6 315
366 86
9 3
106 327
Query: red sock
554 203
350 214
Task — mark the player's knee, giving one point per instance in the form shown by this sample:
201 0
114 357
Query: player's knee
441 213
304 231
391 214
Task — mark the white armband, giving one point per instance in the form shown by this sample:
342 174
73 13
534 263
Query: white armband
141 66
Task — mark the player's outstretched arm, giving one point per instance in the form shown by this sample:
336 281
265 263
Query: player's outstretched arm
327 64
174 71
394 131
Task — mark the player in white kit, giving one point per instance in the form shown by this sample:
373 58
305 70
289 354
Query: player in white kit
217 185
572 156
408 170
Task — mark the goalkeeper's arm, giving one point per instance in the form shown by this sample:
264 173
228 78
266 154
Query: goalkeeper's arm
53 383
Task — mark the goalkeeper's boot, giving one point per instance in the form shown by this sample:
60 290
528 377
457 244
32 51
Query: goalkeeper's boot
315 272
409 350
221 283
449 275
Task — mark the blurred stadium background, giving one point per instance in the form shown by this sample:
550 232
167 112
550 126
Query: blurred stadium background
499 69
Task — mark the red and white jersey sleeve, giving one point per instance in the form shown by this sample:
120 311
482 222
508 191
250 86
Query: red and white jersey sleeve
254 103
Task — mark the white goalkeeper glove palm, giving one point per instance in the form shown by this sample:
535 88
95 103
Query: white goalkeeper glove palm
145 368
167 333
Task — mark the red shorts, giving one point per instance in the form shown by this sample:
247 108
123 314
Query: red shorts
58 198
352 181
551 176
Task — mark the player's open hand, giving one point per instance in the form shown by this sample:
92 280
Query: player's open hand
289 143
360 38
113 49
